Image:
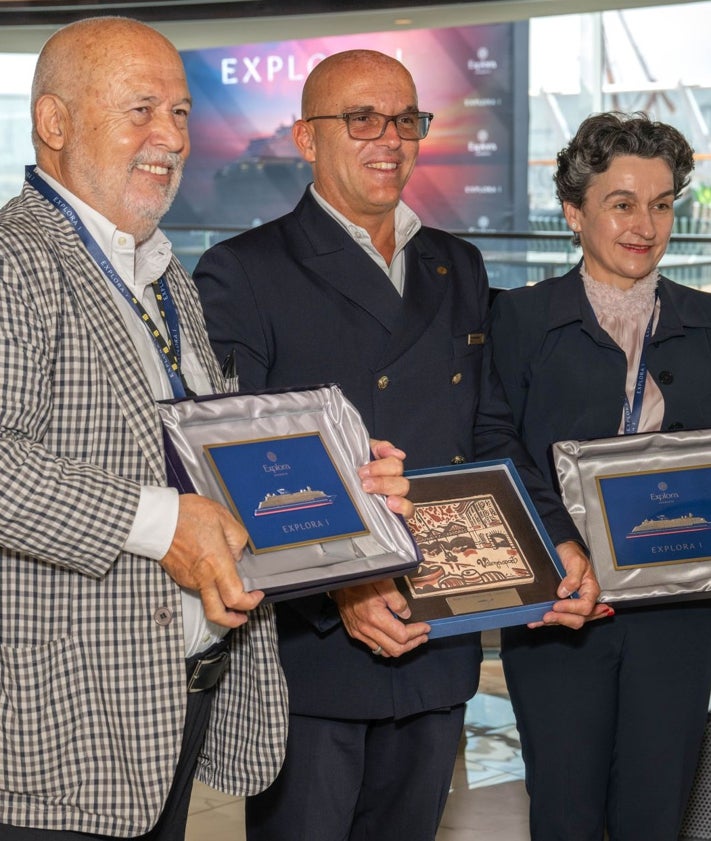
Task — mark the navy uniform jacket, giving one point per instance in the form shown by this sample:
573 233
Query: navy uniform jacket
565 378
551 352
301 303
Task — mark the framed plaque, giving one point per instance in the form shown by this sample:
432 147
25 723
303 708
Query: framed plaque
487 561
315 504
285 463
643 504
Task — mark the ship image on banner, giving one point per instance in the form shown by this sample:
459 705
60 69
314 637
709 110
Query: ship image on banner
270 171
282 500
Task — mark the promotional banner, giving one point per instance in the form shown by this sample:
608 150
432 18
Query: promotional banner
471 175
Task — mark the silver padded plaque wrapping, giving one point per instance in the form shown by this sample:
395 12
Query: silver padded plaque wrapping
581 464
387 549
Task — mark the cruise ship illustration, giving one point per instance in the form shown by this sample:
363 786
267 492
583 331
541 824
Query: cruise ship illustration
672 525
283 500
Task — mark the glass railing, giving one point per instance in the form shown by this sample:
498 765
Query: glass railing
512 259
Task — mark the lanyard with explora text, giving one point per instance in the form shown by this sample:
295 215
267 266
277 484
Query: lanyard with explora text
168 349
634 414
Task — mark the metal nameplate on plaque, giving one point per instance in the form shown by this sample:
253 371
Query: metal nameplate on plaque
475 602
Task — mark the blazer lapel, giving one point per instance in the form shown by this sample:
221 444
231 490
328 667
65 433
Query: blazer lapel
571 305
87 284
330 252
426 283
118 355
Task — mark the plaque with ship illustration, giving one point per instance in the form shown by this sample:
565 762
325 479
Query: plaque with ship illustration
286 491
656 518
486 559
642 503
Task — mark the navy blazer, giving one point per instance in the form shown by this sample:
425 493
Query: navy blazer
564 376
301 303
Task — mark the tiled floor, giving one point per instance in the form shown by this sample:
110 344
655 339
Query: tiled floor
488 801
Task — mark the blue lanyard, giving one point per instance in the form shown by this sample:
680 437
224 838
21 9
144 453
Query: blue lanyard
633 415
169 314
168 352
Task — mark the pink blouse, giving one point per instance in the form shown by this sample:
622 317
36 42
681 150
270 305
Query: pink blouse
624 315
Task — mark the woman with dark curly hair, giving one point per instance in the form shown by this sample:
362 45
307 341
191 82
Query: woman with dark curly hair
612 717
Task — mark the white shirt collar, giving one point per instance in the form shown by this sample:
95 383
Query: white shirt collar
137 266
407 224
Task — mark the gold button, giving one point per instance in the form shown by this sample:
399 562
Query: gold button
456 379
442 270
383 383
457 460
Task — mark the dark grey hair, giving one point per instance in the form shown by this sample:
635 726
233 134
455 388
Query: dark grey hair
602 137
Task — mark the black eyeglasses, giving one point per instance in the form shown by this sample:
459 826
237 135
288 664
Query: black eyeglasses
369 125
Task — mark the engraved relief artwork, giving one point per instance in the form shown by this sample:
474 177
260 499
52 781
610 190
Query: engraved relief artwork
466 546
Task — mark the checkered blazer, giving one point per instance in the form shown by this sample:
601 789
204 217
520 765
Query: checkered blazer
92 687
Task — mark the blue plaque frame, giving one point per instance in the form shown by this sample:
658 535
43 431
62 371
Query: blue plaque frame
461 607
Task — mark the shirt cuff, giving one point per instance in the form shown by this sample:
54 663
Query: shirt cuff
155 522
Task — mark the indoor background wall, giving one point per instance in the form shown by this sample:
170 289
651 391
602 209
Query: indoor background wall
24 26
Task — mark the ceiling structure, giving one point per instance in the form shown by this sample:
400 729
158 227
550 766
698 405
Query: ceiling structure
26 24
